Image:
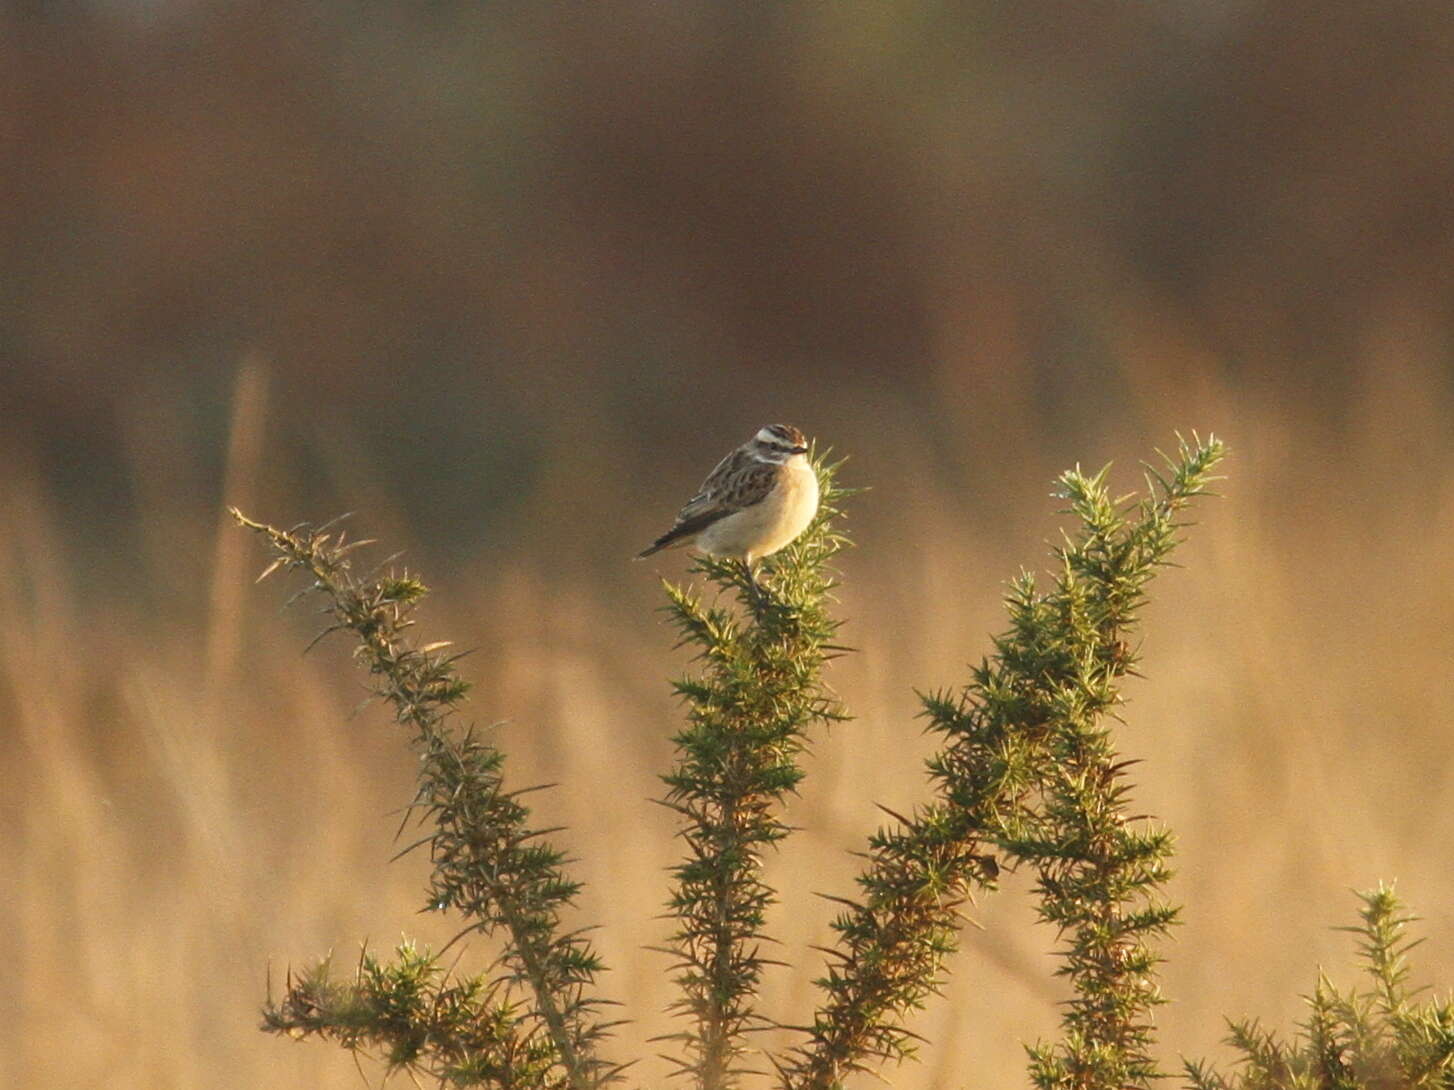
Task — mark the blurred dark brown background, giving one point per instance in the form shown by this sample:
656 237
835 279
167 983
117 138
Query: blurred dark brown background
506 279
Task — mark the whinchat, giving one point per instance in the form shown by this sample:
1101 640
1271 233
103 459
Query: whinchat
758 499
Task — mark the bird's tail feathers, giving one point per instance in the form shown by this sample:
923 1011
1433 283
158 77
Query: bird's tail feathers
683 531
677 535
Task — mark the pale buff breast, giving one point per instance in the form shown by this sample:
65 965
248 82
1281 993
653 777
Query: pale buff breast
764 528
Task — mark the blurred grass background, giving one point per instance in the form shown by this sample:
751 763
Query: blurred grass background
507 279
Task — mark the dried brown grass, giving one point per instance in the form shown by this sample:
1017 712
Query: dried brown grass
191 801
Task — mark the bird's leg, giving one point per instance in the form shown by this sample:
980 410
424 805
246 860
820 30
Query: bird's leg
759 597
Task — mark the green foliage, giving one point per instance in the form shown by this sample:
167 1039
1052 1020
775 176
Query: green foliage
489 864
1376 1038
749 710
1028 776
1100 873
1028 770
464 1033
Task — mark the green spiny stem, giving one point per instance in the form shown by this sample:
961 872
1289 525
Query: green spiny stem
1100 873
1374 1037
465 1033
488 863
499 887
748 713
1001 731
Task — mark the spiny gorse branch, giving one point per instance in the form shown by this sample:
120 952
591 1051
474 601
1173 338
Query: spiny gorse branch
749 711
1101 872
464 1033
489 864
1039 699
1374 1038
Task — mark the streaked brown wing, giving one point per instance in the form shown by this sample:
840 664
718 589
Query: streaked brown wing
712 493
750 486
738 481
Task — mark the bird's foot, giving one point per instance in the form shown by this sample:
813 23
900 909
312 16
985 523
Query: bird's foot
756 591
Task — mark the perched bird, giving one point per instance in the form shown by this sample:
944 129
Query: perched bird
758 499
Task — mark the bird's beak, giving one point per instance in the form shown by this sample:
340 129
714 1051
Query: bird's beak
798 450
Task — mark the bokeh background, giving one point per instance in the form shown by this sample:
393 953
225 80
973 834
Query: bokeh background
505 280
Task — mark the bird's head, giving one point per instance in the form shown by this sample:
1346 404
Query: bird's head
778 443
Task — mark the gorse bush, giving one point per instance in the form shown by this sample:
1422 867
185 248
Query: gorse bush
1375 1037
749 710
490 866
1027 776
